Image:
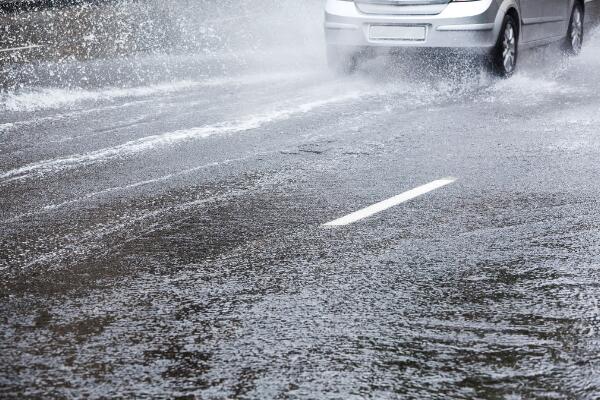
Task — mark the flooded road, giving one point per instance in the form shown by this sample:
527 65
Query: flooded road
165 239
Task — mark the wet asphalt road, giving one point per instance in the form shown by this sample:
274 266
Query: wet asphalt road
166 240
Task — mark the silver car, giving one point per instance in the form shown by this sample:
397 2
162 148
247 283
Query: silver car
496 28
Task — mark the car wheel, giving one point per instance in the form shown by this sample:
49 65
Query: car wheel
505 53
341 60
574 39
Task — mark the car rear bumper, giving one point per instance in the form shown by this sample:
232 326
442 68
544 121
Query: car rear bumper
471 25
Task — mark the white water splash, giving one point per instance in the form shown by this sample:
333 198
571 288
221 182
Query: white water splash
55 98
168 139
528 90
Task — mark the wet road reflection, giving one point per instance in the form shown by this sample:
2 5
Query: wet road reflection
164 240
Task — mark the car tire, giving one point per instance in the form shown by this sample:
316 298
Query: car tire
575 33
342 61
503 61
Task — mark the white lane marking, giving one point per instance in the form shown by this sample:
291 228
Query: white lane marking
389 203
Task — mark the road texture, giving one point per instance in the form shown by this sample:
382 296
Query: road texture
166 239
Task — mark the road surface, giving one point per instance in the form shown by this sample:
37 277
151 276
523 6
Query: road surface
167 239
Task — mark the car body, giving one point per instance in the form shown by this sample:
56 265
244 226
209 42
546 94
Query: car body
476 25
